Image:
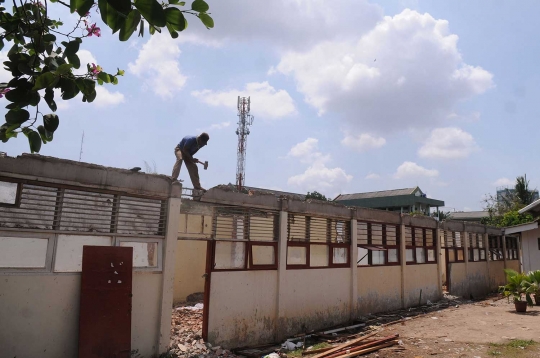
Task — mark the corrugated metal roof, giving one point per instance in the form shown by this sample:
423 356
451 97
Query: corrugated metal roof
376 194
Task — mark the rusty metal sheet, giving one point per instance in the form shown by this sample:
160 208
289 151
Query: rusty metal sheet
105 312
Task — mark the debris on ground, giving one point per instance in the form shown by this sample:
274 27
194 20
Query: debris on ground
186 334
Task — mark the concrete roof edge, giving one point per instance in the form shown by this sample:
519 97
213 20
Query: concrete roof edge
92 176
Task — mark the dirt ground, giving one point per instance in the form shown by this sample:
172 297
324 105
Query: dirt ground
487 328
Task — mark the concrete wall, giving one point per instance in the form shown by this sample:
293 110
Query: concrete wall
459 286
421 284
478 279
496 275
242 308
314 299
531 251
189 268
39 308
379 289
514 265
40 314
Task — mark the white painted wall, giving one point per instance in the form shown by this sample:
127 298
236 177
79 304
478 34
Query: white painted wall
531 251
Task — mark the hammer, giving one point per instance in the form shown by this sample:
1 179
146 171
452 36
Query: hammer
203 163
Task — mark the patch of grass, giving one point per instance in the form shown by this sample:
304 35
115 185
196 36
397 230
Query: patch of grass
513 349
298 353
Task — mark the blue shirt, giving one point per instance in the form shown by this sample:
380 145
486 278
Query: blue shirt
189 144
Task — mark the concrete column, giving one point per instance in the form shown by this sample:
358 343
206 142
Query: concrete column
354 269
439 258
282 271
402 260
504 250
169 255
465 241
488 263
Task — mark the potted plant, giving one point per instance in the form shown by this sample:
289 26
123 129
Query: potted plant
534 279
517 286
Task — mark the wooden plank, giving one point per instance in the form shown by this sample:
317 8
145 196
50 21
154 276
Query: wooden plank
346 344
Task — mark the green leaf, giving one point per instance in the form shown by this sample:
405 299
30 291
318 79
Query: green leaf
130 25
173 33
49 99
34 139
175 18
45 80
207 20
45 135
199 6
151 29
24 68
114 80
81 6
85 85
49 38
1 43
182 3
63 69
71 47
51 122
152 11
104 77
34 98
110 16
74 60
141 29
17 116
69 88
122 6
90 96
174 2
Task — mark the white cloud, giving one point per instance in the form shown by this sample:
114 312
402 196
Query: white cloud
307 151
321 178
504 182
410 170
407 72
105 98
215 126
285 23
467 117
448 143
157 64
265 99
371 176
317 176
363 142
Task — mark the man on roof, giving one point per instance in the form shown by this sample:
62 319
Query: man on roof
184 151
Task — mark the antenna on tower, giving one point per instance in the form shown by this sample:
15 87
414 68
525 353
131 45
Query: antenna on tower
82 141
244 121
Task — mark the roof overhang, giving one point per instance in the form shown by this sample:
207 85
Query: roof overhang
534 207
521 228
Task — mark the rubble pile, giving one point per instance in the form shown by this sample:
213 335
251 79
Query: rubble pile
186 334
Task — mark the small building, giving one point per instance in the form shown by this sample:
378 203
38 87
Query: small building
469 216
406 200
530 238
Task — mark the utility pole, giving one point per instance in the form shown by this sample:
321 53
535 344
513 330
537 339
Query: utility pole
245 119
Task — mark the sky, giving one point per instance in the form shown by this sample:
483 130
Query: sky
347 95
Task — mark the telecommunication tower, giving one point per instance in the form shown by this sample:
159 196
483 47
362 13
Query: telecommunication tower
244 121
